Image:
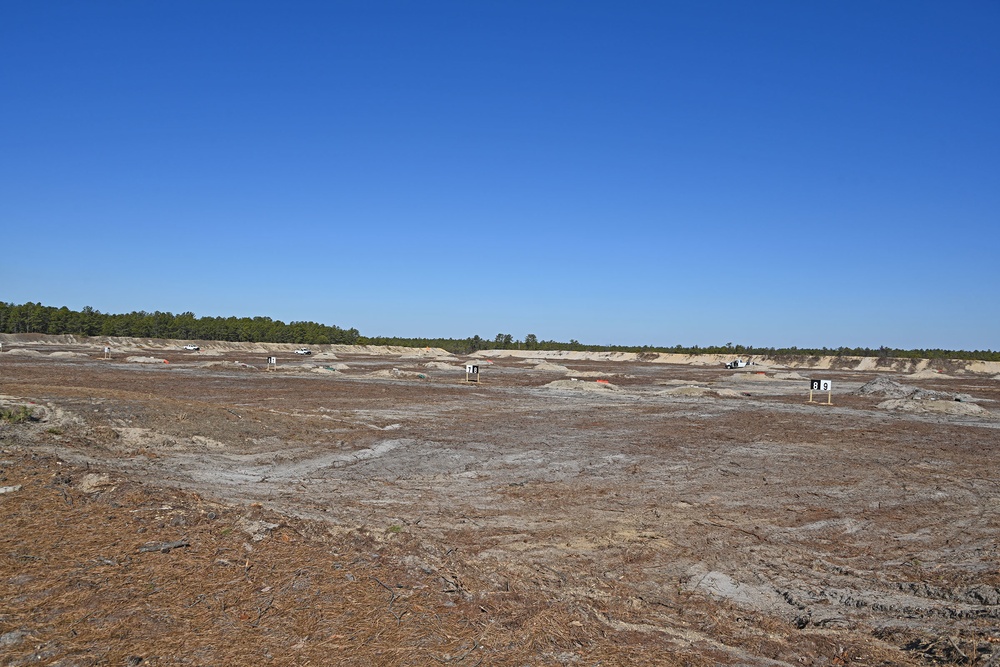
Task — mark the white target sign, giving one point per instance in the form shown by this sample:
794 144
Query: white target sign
820 385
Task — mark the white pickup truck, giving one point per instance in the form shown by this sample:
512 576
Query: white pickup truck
738 363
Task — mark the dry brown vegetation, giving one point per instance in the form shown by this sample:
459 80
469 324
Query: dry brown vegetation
185 513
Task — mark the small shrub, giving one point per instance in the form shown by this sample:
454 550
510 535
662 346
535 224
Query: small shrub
18 415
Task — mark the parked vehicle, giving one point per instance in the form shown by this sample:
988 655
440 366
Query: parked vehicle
191 346
303 350
738 363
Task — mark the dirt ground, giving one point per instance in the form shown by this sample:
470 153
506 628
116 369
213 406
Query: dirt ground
379 509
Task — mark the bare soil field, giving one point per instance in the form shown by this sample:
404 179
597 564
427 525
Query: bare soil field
371 507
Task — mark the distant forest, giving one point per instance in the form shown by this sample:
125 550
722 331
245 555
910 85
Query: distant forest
36 318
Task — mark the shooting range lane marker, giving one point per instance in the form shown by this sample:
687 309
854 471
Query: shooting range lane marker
821 385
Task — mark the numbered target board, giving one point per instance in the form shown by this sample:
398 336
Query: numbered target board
471 373
821 385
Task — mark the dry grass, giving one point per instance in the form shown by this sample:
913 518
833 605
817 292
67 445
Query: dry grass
576 538
83 584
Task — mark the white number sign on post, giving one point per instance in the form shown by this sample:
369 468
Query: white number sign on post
471 373
821 385
272 362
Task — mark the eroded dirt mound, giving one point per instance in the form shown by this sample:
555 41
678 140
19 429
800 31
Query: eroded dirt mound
225 364
325 370
549 366
396 373
580 385
34 411
885 386
443 366
144 360
339 366
889 388
17 351
701 391
752 376
69 355
942 407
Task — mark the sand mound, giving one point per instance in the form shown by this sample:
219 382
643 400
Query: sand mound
214 364
700 392
928 374
549 366
442 366
396 373
25 353
790 376
936 407
577 385
145 360
69 355
296 368
688 390
228 365
339 366
753 376
326 370
885 386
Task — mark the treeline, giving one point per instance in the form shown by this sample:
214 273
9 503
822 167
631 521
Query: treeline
36 318
531 342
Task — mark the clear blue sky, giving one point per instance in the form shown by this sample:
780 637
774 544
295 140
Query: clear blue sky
763 173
